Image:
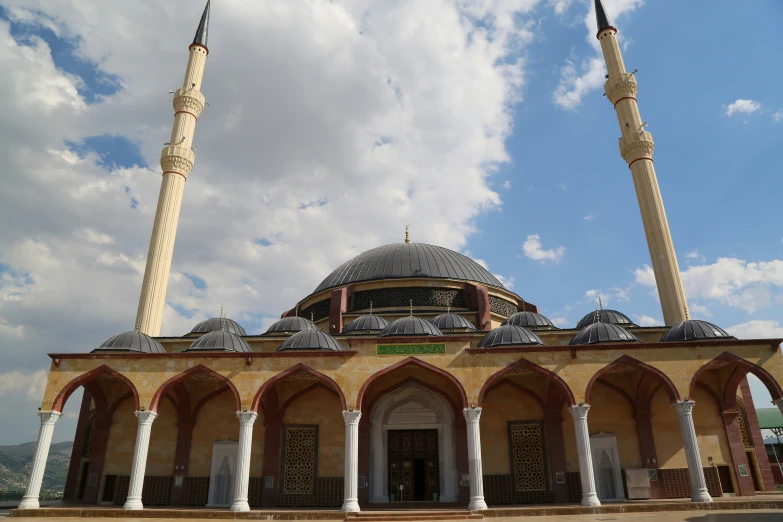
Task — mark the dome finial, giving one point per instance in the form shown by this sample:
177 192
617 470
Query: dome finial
222 318
407 237
312 317
138 324
296 311
370 307
411 306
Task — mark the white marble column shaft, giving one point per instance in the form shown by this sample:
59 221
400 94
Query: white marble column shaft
246 421
472 416
45 432
589 496
139 466
351 480
699 491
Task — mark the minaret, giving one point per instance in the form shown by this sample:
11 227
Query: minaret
636 147
176 160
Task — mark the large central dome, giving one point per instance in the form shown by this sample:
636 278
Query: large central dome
408 260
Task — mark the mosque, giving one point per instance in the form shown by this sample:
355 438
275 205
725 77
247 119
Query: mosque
410 374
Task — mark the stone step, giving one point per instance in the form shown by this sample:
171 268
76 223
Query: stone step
400 517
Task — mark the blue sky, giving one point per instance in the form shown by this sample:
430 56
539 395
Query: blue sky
353 120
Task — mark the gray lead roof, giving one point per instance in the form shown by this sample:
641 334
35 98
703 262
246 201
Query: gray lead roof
407 260
202 33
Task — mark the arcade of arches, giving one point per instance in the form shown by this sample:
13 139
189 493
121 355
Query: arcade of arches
478 427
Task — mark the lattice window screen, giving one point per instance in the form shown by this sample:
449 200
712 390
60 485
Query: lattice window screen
528 457
299 464
743 425
90 436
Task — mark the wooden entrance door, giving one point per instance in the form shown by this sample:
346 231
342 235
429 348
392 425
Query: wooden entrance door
413 464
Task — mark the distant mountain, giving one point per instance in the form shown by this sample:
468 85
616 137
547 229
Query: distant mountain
15 463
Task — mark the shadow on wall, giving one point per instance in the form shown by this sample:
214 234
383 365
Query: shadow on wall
736 517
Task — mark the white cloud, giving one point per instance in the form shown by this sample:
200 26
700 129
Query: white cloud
560 6
560 322
757 329
589 218
95 237
605 297
563 186
645 276
699 310
29 386
507 184
578 81
778 116
742 107
646 320
534 250
694 254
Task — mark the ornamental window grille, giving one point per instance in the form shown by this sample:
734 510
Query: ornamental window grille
501 306
317 310
527 454
90 439
742 418
402 297
299 464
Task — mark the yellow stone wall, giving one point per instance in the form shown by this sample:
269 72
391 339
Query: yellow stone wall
217 420
322 407
503 404
611 413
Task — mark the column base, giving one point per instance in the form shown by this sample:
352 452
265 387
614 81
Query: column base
351 505
29 503
477 504
591 499
701 495
133 504
240 505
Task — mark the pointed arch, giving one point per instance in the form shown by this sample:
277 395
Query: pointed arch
742 368
300 367
62 397
412 361
200 368
534 368
627 360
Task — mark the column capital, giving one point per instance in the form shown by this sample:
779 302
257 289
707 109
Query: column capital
146 417
49 417
352 416
472 414
247 418
684 407
579 412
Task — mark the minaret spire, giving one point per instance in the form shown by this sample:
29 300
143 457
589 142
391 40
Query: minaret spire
202 33
636 148
176 161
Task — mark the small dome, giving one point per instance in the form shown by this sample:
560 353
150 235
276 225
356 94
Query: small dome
290 325
216 323
603 333
131 342
410 326
219 341
451 321
366 323
607 316
509 335
529 320
311 340
693 330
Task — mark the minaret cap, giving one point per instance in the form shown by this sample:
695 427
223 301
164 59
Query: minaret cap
202 33
600 17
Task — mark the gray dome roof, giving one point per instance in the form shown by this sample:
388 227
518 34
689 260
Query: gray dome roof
366 323
311 340
291 324
529 320
451 321
218 341
216 323
607 316
407 260
131 342
603 333
410 326
509 335
694 330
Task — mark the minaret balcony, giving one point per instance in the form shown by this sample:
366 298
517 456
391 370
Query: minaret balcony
177 159
621 86
189 100
637 145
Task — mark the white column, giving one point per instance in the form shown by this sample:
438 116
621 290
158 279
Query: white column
579 413
477 502
45 432
699 491
140 459
351 492
246 421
